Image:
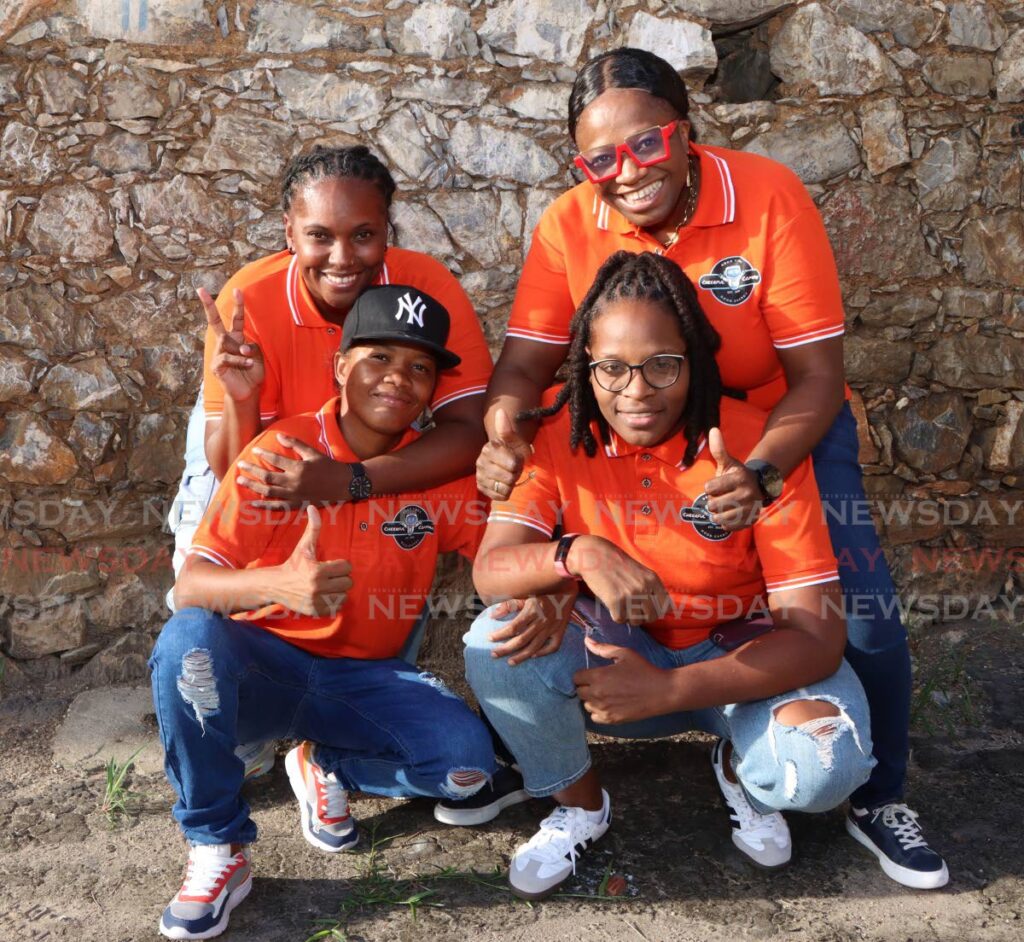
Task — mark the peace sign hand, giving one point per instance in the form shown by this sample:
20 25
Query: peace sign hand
237 363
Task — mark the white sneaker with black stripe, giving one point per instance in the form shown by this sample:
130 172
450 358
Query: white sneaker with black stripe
548 859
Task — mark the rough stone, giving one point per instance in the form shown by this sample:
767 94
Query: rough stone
874 359
1004 175
931 433
420 228
122 152
166 21
8 87
130 599
31 452
884 136
31 317
975 26
15 375
816 150
433 29
686 46
962 76
945 174
99 520
35 576
277 26
875 230
971 302
815 46
157 450
993 247
109 723
87 384
1007 452
744 75
553 31
405 142
131 314
60 91
172 370
474 220
180 202
242 142
25 155
125 96
442 91
899 310
35 633
910 21
1010 69
72 222
543 102
89 437
978 362
491 152
328 97
726 12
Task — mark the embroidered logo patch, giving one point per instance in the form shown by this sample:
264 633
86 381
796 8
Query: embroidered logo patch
732 280
410 525
699 516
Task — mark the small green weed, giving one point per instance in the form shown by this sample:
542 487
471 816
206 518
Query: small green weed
944 675
118 801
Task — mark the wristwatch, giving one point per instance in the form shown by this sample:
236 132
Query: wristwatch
360 487
769 479
562 553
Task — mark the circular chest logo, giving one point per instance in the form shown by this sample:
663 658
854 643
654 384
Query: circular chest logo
732 280
700 518
409 526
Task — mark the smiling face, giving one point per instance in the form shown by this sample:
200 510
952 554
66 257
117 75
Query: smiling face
385 387
338 230
632 330
650 197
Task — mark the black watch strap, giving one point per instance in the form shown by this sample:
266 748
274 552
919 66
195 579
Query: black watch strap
360 487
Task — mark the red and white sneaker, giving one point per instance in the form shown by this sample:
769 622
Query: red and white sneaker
217 879
323 803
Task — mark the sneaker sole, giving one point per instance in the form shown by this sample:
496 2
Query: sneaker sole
915 879
178 932
471 816
551 890
298 784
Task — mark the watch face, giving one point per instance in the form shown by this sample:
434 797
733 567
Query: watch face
771 480
360 487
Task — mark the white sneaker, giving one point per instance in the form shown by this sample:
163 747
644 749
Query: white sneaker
764 838
548 859
259 758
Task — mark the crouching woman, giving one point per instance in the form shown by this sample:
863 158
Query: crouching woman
620 463
289 625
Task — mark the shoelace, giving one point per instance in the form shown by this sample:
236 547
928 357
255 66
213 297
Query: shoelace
557 830
205 869
752 823
335 798
907 831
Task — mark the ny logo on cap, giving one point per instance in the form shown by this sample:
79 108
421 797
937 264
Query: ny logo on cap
411 308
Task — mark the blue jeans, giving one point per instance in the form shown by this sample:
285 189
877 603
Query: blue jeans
535 710
381 726
876 641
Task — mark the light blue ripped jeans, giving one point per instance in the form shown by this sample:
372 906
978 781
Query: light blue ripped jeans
381 726
535 710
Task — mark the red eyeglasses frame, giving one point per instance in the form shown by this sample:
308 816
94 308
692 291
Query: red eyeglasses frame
667 130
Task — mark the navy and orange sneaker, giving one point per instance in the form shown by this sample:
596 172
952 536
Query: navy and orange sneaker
217 879
323 803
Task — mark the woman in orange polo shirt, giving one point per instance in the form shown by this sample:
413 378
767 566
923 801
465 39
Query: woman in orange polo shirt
750 238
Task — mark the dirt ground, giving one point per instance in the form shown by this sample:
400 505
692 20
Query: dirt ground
66 872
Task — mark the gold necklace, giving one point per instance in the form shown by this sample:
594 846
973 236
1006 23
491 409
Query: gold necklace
692 192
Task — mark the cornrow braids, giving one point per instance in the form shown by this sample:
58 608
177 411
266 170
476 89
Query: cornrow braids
323 163
647 277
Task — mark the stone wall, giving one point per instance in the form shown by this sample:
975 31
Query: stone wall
141 141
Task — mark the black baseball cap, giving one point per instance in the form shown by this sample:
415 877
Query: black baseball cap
403 314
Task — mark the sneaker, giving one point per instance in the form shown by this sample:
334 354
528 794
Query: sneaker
892 834
217 879
505 789
259 758
323 803
764 838
548 859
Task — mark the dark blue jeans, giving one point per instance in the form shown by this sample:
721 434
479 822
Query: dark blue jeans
876 645
381 726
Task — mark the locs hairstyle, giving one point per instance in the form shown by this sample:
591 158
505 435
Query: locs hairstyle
628 68
647 277
323 163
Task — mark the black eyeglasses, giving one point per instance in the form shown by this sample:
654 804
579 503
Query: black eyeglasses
659 371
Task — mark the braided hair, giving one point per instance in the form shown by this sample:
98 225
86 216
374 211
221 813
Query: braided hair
322 163
647 277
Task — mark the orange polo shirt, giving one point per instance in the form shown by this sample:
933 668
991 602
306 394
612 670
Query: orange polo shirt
391 542
298 345
652 507
756 250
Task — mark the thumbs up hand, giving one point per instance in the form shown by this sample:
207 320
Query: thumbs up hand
502 458
734 492
305 585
